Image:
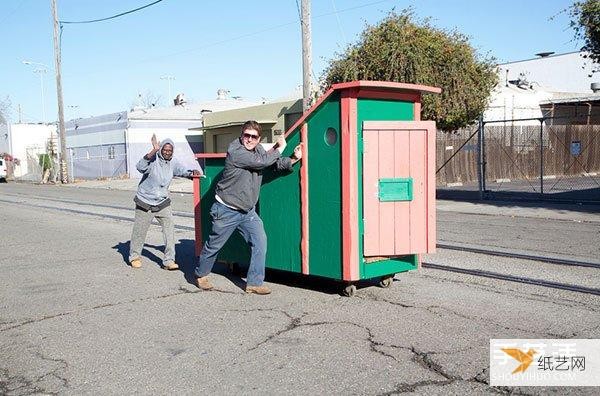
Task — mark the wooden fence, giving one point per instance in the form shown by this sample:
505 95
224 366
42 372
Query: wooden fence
518 152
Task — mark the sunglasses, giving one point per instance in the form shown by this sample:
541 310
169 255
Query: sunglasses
250 136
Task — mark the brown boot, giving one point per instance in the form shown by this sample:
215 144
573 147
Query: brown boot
171 266
204 284
262 290
136 263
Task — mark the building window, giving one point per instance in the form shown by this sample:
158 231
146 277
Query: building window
111 152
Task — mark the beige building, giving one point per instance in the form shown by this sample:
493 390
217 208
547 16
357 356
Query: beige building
220 128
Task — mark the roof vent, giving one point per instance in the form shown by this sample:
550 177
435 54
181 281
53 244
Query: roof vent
222 94
544 54
179 100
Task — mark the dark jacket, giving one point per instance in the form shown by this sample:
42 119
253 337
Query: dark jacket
242 175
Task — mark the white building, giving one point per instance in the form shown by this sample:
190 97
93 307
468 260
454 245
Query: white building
569 72
110 145
526 85
26 142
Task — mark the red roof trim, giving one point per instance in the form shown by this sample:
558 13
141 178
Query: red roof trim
388 86
211 155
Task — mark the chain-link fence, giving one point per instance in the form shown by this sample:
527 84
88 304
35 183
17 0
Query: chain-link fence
545 158
456 156
98 162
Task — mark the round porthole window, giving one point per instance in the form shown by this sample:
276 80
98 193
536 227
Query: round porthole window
331 136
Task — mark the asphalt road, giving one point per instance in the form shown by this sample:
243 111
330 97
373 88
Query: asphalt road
76 319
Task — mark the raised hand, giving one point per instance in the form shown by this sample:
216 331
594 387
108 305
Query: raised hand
155 142
298 151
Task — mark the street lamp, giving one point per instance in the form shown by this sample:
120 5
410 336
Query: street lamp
41 71
169 79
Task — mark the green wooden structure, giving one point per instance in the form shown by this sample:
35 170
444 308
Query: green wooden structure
360 204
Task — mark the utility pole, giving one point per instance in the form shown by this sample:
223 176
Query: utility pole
306 55
64 171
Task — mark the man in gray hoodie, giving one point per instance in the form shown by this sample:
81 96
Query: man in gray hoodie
152 200
236 196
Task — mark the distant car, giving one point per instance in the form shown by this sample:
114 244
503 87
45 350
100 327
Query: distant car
2 170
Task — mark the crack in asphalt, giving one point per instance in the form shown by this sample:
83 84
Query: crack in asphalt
404 387
423 359
182 290
100 306
12 383
185 290
485 320
63 366
431 309
576 334
9 384
294 323
517 293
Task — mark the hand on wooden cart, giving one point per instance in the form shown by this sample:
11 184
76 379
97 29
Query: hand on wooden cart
297 154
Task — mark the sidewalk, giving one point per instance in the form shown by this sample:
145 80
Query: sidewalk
178 185
540 210
543 210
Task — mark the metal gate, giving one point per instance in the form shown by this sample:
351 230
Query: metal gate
545 161
533 159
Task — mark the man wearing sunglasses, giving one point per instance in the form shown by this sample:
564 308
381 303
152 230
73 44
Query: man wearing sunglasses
236 195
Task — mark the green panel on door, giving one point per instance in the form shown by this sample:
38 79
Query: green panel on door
395 189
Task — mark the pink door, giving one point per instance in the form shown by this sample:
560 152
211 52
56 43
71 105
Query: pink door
398 187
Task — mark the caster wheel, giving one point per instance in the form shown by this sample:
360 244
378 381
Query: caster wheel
386 281
349 290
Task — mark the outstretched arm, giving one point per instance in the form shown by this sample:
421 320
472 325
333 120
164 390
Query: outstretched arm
285 163
253 160
180 171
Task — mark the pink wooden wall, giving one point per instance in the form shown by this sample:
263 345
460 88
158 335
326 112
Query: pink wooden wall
399 149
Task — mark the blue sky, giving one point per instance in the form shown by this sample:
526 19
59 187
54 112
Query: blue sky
252 48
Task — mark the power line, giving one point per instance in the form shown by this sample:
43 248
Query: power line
337 16
114 16
256 32
242 36
10 14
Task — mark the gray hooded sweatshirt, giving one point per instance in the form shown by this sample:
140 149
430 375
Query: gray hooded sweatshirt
157 175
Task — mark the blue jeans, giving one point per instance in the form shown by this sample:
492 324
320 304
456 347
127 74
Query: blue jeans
224 222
